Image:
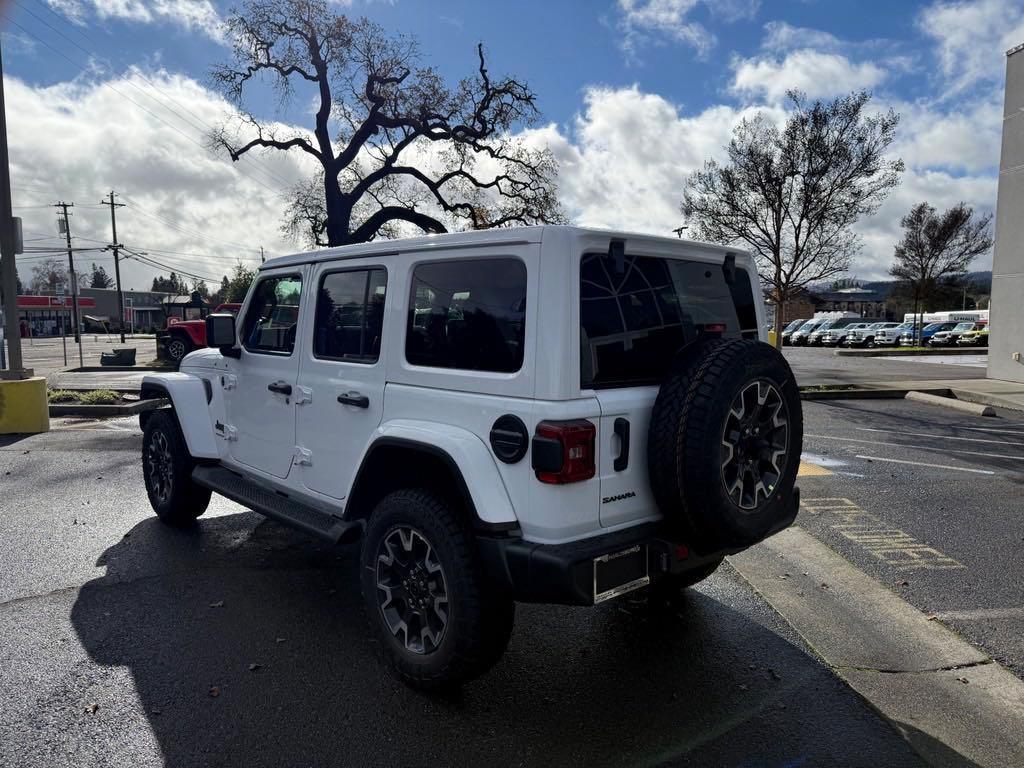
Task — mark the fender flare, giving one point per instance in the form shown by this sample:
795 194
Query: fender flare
189 398
466 455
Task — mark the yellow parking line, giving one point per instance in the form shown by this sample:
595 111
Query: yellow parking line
807 469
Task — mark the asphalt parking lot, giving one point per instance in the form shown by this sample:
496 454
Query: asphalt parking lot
244 643
927 501
820 365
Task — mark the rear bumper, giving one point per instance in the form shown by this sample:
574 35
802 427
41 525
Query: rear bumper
564 573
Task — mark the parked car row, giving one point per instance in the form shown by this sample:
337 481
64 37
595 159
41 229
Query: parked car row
858 332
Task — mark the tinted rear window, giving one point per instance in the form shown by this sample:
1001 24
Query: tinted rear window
468 314
634 320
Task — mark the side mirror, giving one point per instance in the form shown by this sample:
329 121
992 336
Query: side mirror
220 331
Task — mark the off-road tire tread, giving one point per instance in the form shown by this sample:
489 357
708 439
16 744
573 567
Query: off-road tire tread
188 500
665 434
483 617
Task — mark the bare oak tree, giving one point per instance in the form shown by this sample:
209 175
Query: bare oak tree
792 194
938 249
393 144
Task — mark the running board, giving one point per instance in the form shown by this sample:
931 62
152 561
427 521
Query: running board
274 505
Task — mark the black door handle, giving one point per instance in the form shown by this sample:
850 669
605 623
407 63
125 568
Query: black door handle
622 430
281 387
354 398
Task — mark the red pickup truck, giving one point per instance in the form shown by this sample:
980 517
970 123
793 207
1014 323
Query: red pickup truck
183 336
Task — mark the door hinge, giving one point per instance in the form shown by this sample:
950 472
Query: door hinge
226 431
303 395
303 456
229 381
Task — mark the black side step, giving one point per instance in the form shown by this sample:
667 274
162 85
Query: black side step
281 508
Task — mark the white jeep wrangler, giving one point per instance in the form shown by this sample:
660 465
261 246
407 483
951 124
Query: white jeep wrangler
544 414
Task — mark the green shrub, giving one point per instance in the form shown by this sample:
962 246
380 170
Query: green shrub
62 396
99 397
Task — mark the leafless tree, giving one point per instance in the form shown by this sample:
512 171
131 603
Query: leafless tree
792 194
938 249
48 274
393 143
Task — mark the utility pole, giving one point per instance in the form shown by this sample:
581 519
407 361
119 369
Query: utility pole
263 259
8 269
76 321
117 267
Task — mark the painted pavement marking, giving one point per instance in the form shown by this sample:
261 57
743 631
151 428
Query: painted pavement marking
925 464
890 545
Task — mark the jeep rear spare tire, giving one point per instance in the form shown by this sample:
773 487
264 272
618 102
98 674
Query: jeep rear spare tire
724 444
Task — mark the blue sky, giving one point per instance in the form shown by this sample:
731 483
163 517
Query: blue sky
634 95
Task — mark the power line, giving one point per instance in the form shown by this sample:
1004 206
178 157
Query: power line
181 228
170 98
128 98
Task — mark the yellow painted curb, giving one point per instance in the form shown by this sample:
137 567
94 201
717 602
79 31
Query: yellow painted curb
812 470
23 406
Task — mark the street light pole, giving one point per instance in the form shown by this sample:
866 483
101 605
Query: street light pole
8 268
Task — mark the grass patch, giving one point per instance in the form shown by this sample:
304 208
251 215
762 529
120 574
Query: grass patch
62 396
99 397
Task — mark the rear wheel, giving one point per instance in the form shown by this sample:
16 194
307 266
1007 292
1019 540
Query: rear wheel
440 621
167 469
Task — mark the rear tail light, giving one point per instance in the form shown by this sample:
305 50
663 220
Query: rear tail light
563 451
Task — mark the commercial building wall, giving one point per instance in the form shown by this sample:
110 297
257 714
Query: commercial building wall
1007 335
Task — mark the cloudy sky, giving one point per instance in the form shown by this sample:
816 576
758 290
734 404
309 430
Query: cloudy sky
635 94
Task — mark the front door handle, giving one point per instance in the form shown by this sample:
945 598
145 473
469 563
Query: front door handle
354 398
280 387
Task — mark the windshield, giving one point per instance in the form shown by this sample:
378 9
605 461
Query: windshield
964 327
794 325
810 325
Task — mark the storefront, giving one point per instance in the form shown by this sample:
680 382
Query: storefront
47 315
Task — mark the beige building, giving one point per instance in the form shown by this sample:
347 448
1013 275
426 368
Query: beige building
1006 343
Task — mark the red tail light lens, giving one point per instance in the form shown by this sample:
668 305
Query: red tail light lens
563 451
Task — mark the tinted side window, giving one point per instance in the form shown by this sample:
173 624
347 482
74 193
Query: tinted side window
468 314
272 318
350 315
634 320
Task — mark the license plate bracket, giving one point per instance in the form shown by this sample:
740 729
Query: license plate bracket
617 573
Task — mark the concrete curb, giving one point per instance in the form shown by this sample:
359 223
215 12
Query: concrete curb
891 352
861 394
948 699
97 411
951 402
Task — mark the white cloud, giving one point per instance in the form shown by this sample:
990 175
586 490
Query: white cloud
972 38
816 73
660 20
193 15
625 160
97 141
780 36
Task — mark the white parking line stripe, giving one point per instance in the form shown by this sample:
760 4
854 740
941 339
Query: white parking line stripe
939 437
981 614
923 464
1019 431
916 447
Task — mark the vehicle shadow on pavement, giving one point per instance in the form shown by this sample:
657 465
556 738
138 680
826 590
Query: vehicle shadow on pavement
248 645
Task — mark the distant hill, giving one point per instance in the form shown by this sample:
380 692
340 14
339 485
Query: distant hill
978 281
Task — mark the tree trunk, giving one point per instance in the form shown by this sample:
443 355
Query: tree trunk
335 206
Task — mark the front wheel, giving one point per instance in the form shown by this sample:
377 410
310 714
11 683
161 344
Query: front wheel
440 621
167 469
177 348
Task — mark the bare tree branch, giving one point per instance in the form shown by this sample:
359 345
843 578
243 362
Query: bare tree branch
395 144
